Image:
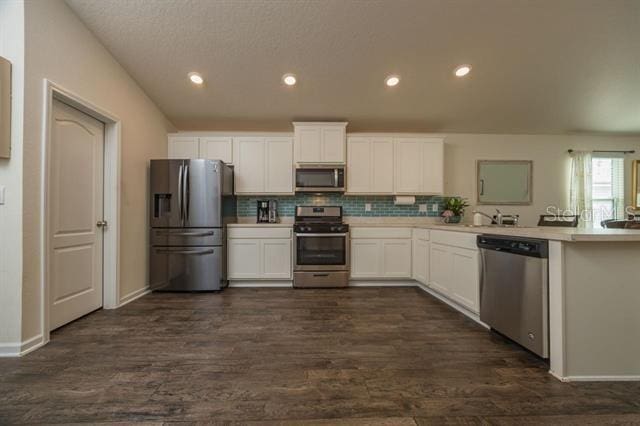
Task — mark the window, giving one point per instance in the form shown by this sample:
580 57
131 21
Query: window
607 188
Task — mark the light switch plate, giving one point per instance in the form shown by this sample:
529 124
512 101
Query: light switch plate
367 207
2 194
422 208
434 207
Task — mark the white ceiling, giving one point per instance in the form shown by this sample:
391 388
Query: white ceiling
545 66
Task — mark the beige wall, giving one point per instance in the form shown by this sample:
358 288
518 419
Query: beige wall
550 165
12 48
60 48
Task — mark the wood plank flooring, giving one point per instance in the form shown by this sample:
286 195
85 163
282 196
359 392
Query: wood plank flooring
358 356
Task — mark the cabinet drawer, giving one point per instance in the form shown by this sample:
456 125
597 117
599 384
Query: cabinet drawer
362 232
455 239
258 232
421 234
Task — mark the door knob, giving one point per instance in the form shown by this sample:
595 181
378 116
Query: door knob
101 224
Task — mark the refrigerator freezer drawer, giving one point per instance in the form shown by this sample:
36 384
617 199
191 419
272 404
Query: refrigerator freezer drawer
186 237
187 268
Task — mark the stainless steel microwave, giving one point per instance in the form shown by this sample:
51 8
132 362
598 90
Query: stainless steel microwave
320 178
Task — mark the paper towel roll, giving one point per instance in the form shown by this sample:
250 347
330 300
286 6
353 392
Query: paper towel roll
404 200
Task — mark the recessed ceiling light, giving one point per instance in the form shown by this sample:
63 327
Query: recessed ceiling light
195 78
392 80
462 70
289 79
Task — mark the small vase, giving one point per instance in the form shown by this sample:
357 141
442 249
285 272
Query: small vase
452 219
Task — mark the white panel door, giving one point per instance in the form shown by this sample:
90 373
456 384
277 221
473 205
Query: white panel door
365 258
249 157
217 148
333 144
183 147
359 166
396 255
420 261
465 278
279 166
276 259
382 169
433 167
409 157
75 194
308 144
440 264
244 258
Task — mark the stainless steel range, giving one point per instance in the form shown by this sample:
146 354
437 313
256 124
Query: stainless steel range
321 248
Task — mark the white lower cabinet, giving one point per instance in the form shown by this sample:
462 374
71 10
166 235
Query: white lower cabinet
420 256
381 253
455 268
259 254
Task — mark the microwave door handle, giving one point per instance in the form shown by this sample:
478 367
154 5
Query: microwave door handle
335 178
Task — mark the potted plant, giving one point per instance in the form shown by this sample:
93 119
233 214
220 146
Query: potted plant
454 209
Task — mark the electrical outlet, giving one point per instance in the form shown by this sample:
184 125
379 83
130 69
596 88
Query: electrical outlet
434 208
367 207
422 208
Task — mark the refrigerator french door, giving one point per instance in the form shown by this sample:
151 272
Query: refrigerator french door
189 201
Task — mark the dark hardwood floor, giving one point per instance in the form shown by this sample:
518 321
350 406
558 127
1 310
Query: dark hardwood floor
359 356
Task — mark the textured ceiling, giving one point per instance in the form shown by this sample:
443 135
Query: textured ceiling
545 66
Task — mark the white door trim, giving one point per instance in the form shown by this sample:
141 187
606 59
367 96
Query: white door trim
111 277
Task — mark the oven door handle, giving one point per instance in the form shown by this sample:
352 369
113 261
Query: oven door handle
299 234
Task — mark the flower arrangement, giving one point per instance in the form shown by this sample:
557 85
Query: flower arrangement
454 209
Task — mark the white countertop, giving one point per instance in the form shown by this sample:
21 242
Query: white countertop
543 232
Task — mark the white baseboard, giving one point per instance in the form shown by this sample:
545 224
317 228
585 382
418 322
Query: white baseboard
260 284
23 348
133 296
374 283
598 378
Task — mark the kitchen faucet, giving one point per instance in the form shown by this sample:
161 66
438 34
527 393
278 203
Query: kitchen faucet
498 219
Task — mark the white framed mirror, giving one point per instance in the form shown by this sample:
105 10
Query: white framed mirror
504 182
5 108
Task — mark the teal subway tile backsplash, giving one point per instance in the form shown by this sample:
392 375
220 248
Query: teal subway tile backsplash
352 205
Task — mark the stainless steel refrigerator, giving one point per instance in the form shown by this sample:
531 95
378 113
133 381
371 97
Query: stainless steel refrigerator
191 203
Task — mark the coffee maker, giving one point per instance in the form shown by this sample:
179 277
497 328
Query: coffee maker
267 211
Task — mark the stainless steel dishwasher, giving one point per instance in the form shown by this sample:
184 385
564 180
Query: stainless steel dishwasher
514 289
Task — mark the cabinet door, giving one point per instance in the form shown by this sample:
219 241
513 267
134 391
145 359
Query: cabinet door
433 166
183 148
359 166
308 144
243 258
249 156
396 256
441 262
420 263
276 259
365 258
382 167
217 148
408 171
332 145
279 166
465 278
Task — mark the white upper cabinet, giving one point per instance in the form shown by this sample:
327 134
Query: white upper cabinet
217 148
317 142
263 165
419 165
370 165
183 147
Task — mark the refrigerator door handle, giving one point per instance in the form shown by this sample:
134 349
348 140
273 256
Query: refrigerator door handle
180 194
194 252
185 234
185 194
